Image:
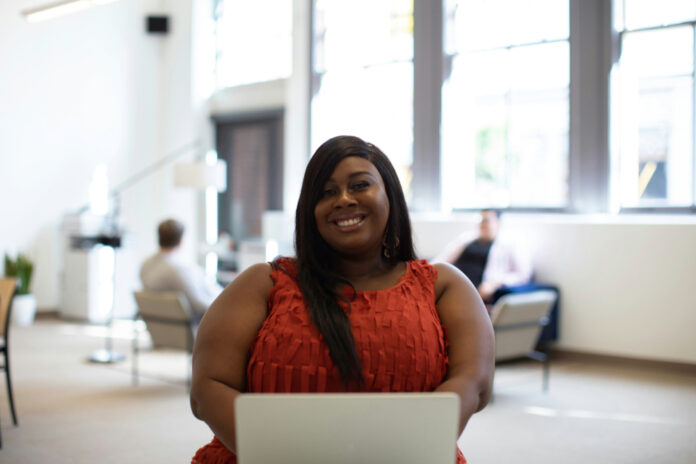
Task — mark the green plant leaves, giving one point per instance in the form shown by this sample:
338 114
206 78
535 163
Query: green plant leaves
22 268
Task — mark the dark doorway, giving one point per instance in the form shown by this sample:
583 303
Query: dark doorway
252 146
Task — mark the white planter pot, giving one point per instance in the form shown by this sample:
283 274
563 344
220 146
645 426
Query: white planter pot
23 309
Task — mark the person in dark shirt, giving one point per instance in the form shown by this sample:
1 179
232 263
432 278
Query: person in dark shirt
473 260
489 262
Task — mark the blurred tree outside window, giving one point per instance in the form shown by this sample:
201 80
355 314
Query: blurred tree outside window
505 104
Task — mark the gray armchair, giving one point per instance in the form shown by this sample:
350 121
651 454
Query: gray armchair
518 319
169 319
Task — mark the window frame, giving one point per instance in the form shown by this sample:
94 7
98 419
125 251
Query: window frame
667 209
432 66
450 58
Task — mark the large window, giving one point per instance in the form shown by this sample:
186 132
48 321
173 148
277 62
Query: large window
505 104
253 41
566 105
655 111
363 76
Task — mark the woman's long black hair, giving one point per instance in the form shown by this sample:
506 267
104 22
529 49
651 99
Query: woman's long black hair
318 278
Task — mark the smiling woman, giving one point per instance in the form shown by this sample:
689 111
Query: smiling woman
353 210
355 311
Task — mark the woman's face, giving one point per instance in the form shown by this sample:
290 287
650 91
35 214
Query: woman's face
353 209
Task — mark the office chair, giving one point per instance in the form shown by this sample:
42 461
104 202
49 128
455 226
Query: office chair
8 287
518 320
169 319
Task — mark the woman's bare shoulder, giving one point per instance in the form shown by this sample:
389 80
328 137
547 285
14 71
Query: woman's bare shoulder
257 277
246 294
447 276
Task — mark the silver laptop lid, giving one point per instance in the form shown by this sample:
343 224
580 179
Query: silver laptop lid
308 428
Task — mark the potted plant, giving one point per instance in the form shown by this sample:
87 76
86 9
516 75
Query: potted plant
24 302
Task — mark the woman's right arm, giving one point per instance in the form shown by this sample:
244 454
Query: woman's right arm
221 349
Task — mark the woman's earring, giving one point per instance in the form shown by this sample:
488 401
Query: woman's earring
387 250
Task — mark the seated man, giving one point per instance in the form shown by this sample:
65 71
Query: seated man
488 261
166 271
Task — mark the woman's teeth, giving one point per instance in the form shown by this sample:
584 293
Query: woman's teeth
348 222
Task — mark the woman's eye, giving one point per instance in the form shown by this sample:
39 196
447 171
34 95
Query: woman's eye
361 185
328 192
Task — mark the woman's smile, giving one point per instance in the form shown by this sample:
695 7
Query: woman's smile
347 224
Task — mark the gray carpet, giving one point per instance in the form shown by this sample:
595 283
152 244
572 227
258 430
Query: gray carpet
73 411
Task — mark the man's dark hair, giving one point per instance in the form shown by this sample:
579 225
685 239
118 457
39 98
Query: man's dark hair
318 278
169 233
495 211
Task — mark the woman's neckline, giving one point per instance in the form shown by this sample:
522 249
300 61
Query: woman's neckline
397 283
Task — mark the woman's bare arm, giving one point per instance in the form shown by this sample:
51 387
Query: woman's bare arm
221 349
471 341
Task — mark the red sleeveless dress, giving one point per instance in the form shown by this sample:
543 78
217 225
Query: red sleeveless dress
398 336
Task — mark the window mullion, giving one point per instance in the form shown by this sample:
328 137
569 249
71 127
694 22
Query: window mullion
693 120
590 58
428 65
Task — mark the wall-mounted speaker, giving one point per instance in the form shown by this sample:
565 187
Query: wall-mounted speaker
157 24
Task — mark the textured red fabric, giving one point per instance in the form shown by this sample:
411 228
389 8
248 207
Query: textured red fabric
398 336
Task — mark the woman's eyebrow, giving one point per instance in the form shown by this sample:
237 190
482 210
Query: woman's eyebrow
350 176
360 173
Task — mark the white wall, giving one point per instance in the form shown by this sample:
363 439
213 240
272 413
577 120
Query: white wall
82 90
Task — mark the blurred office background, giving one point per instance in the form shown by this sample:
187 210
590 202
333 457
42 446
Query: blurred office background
575 117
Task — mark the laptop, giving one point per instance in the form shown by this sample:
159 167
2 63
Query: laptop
346 428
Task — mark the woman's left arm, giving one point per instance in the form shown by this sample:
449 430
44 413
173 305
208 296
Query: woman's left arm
471 341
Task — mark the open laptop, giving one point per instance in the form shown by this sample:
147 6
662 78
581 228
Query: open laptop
347 428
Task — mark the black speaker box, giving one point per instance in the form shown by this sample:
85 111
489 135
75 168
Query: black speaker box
157 24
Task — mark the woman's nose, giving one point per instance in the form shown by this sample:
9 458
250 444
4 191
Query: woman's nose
345 198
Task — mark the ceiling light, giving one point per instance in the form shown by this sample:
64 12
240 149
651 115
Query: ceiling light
53 10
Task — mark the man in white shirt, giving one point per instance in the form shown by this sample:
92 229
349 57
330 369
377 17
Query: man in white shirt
490 262
166 271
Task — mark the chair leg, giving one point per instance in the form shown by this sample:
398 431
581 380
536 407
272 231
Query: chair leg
545 360
547 366
9 388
